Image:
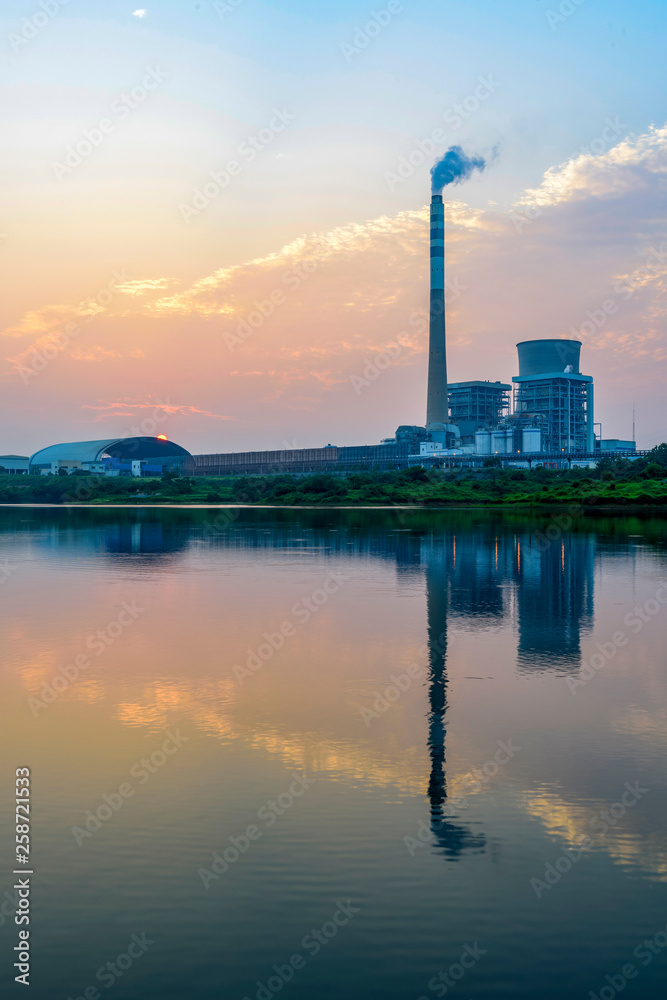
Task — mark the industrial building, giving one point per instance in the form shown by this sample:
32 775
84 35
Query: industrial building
553 396
393 453
131 456
474 405
550 424
552 417
614 446
552 413
14 465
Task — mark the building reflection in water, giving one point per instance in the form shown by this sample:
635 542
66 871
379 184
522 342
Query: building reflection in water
482 576
555 601
480 572
144 538
482 579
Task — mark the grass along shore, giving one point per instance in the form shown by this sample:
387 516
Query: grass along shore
642 482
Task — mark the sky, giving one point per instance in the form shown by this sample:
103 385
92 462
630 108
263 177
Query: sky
214 216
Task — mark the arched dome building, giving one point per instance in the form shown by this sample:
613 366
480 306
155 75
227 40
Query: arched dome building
113 456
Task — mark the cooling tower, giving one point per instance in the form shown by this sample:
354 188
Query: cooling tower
547 357
552 395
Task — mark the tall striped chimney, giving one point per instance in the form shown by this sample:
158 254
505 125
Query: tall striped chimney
437 412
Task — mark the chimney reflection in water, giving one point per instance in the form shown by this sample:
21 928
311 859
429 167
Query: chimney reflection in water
454 838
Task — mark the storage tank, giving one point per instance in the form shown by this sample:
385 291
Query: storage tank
532 439
483 442
546 357
498 442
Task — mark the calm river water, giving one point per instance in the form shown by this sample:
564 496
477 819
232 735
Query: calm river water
336 753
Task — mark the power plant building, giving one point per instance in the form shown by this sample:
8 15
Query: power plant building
477 405
553 396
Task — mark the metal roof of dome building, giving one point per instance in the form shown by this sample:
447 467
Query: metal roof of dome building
124 449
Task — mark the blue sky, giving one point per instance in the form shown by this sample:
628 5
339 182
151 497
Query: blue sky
558 83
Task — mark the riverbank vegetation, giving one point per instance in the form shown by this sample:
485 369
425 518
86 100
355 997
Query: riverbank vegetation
617 482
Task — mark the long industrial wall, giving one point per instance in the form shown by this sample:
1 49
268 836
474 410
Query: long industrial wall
383 456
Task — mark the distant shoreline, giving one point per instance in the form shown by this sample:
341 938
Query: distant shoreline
193 505
612 485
